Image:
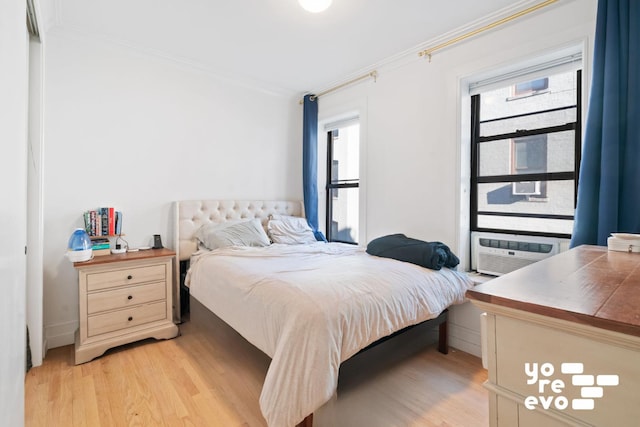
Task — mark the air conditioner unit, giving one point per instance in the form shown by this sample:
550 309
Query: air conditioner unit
497 254
525 188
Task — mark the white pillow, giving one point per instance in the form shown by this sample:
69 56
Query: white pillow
202 234
243 233
290 230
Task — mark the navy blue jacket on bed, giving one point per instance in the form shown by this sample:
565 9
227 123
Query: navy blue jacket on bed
433 255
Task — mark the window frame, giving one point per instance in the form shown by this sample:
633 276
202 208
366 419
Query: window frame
476 140
337 185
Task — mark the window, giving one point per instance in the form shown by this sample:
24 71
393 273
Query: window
529 156
525 155
343 181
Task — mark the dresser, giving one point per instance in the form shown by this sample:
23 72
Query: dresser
124 298
563 341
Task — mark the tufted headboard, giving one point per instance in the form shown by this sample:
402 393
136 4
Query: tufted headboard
189 215
192 214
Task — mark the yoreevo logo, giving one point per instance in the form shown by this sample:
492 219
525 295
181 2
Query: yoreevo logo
551 389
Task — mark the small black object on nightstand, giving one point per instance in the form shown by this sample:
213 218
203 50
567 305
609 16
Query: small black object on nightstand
157 242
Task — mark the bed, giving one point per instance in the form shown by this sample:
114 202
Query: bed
309 306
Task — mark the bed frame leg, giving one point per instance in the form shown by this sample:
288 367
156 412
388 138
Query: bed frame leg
443 338
307 422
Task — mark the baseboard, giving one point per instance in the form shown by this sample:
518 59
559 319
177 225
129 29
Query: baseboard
465 339
60 334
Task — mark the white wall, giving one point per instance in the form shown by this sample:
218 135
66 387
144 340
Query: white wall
136 132
14 44
416 127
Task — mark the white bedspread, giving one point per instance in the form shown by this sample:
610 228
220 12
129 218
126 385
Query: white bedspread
310 307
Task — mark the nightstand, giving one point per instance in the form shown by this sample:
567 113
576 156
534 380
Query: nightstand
124 298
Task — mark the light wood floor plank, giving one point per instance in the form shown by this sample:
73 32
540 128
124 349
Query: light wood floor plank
213 377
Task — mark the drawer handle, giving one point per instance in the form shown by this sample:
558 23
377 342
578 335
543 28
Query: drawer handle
129 277
130 318
130 297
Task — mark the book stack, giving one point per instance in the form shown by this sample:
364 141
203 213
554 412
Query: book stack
100 246
103 222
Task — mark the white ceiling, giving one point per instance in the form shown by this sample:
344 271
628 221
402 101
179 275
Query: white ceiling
274 44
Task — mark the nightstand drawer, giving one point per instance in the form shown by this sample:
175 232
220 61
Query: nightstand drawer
123 319
125 297
128 276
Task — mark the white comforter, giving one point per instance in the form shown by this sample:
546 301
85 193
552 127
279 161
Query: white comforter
310 307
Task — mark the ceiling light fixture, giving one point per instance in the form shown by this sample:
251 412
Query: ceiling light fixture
315 6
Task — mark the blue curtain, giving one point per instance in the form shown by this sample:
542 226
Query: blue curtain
609 185
310 163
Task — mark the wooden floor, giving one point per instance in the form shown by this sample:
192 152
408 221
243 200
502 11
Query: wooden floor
214 377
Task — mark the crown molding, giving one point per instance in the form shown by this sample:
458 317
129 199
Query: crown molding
401 59
410 55
79 34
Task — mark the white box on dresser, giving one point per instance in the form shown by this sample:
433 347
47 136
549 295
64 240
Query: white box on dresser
124 298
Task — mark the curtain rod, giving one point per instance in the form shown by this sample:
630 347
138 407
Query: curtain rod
373 74
429 51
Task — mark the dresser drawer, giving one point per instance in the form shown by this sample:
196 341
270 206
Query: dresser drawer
125 297
127 276
126 318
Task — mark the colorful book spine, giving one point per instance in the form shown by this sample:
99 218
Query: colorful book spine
87 222
103 222
118 223
94 215
111 221
104 215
